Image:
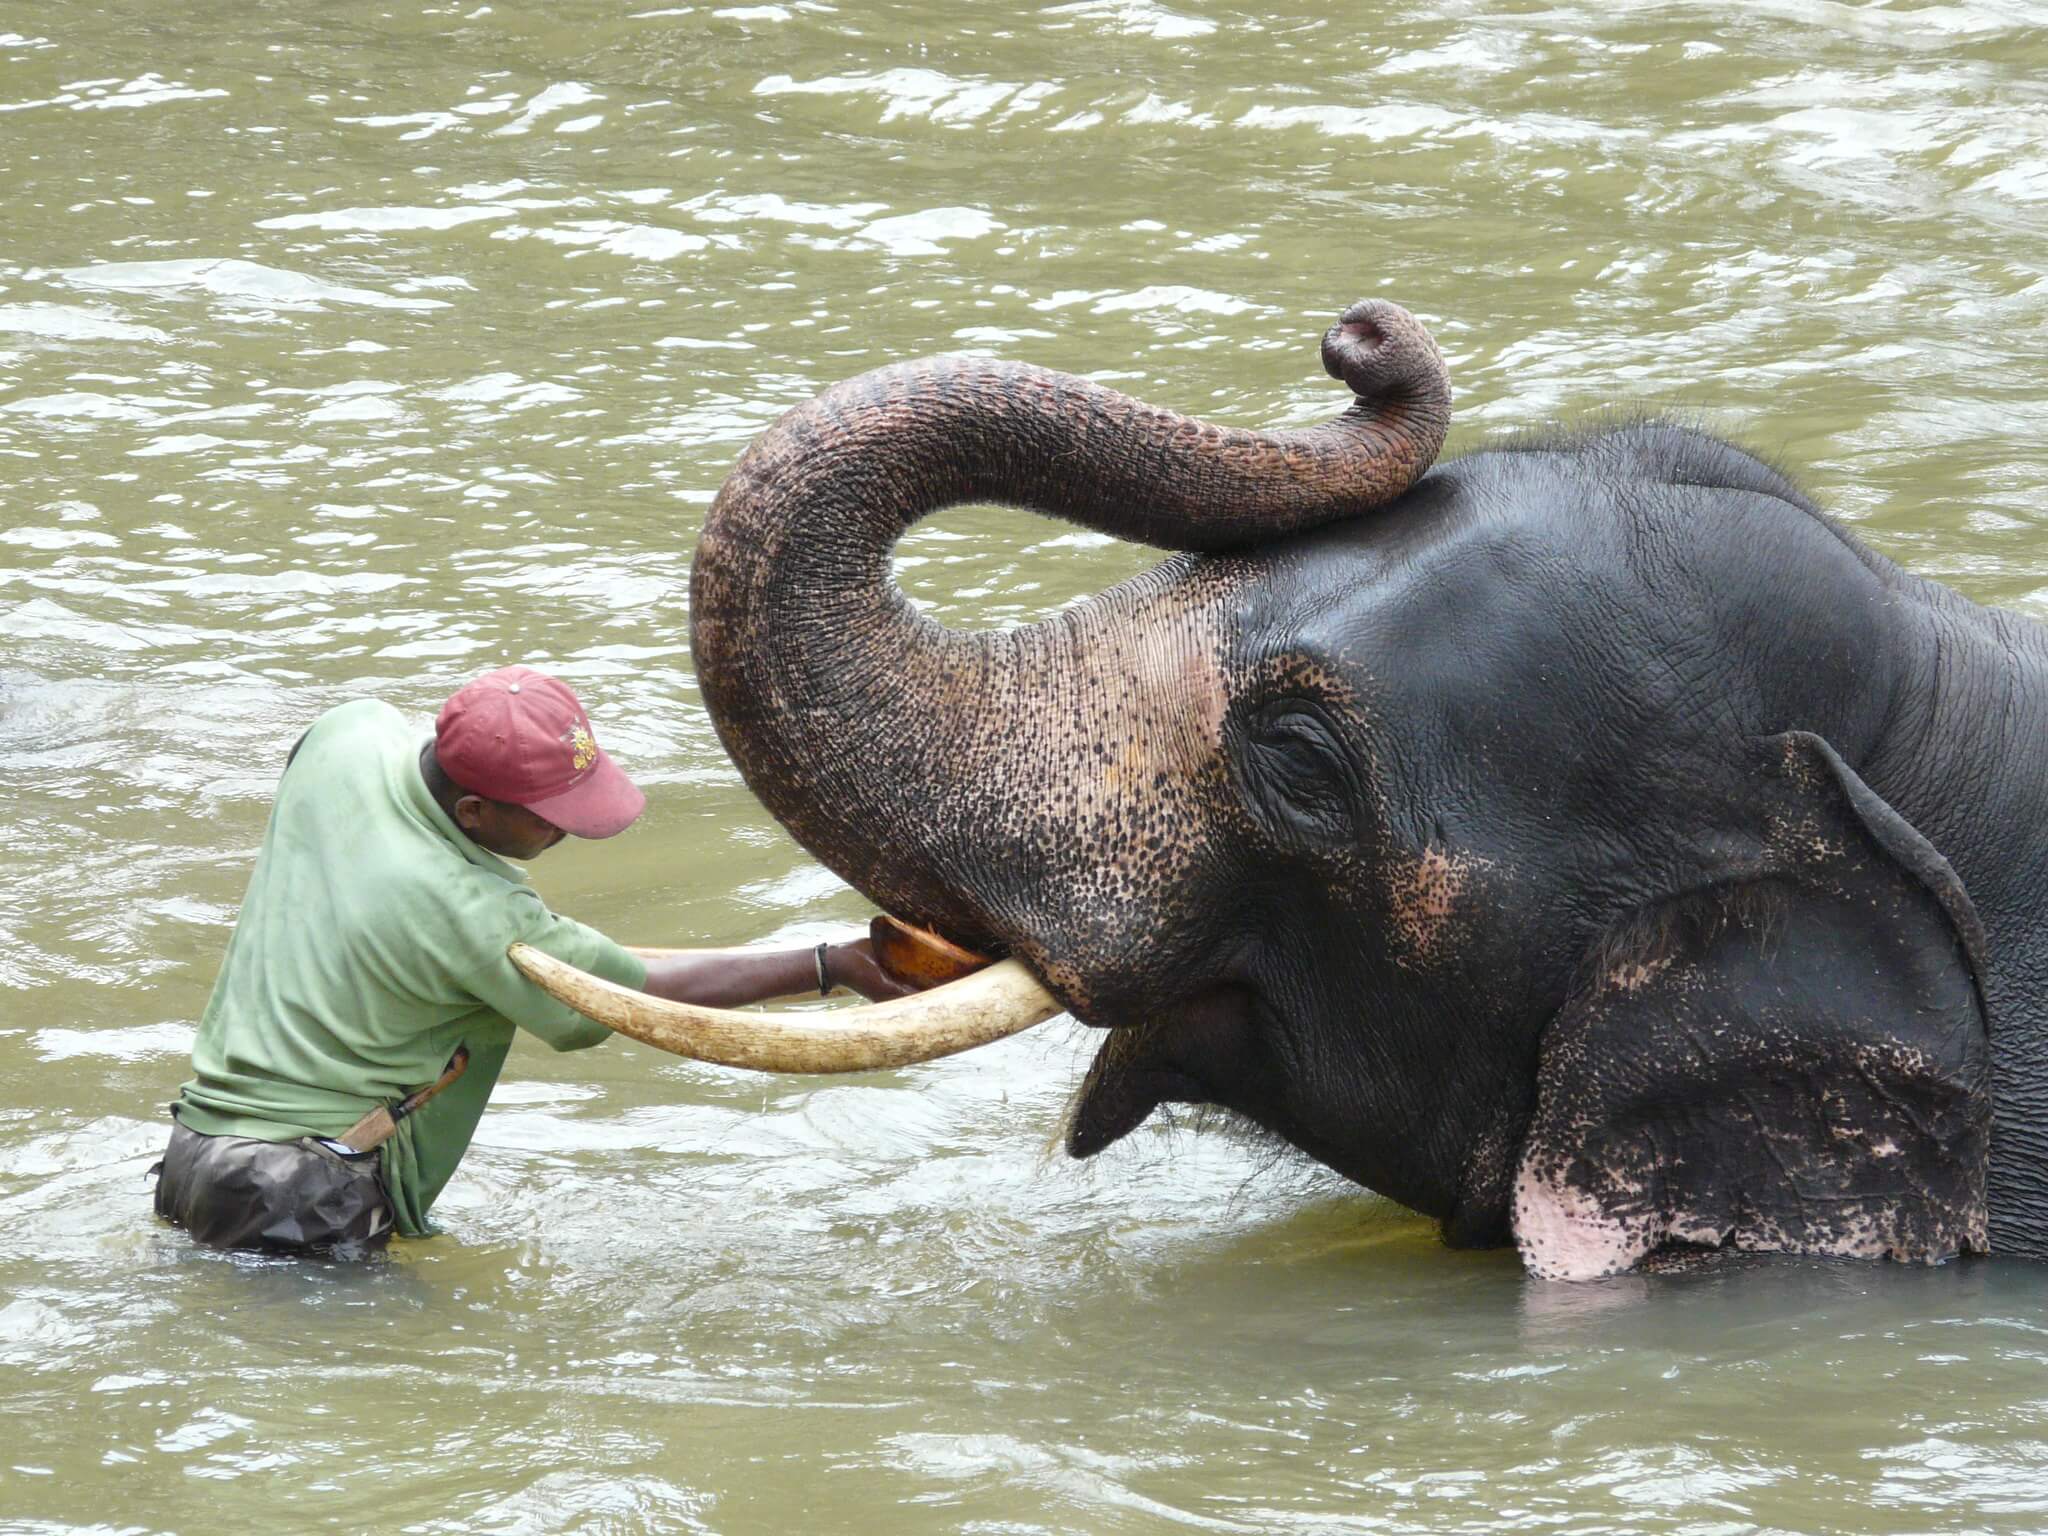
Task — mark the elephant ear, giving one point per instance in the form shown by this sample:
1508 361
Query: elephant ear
1795 1057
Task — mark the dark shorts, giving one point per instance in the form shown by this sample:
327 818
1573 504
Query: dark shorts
298 1196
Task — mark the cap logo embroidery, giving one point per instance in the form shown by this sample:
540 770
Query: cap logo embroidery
582 749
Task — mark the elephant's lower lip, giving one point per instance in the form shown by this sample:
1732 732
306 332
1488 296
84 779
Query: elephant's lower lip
1175 1051
1107 1113
1119 1096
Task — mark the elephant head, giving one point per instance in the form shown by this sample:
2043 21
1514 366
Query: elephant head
1430 822
1065 792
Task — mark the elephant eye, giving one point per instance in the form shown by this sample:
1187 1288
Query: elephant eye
1300 779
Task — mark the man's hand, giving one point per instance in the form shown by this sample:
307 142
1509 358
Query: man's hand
853 965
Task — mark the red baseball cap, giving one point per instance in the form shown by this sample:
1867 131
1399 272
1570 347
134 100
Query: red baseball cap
521 736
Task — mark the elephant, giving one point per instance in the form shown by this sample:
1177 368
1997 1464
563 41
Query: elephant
1584 842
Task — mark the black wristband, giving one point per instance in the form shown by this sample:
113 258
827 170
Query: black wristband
824 976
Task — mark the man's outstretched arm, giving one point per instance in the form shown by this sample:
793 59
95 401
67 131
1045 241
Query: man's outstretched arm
731 978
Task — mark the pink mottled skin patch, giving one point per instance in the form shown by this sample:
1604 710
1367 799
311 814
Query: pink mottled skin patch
1424 896
1564 1235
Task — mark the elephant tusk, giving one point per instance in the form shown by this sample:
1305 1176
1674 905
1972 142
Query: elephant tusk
959 1016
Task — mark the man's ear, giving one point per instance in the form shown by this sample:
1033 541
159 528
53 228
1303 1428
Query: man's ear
1794 1056
469 812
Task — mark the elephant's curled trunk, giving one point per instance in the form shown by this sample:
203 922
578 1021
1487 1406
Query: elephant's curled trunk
904 755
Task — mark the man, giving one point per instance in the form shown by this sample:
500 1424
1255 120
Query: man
367 976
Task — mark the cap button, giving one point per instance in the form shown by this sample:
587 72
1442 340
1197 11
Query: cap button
513 689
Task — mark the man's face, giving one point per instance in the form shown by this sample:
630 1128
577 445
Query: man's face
509 831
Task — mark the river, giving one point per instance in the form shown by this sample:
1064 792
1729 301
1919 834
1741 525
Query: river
351 350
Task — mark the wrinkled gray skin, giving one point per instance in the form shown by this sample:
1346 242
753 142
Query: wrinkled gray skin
1591 847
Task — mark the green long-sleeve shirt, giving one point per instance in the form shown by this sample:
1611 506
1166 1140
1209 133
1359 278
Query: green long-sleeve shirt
371 943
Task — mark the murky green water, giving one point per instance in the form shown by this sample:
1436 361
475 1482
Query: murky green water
352 349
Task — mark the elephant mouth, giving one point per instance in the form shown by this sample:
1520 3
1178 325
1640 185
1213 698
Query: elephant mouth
1141 1066
1112 1101
1118 1097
